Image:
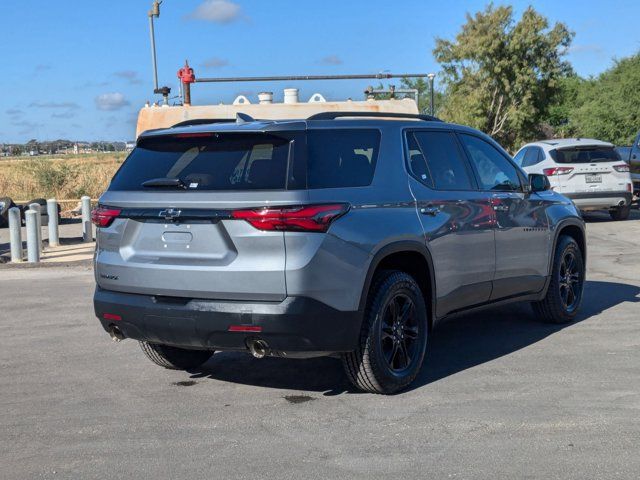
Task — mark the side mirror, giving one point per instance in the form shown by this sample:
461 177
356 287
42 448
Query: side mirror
538 182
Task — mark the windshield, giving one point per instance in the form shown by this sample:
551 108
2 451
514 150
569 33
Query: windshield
208 161
586 154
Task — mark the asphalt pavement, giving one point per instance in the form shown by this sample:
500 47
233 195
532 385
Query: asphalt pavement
501 395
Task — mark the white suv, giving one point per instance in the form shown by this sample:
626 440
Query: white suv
589 172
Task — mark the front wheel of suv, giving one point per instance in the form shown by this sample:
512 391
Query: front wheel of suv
620 213
175 358
393 339
561 303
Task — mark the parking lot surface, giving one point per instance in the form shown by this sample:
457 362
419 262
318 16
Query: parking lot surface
500 395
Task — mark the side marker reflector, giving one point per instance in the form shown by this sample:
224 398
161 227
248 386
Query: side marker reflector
245 328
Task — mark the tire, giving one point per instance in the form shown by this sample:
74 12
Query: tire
379 364
175 358
620 213
564 295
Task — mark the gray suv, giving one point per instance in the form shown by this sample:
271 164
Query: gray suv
343 234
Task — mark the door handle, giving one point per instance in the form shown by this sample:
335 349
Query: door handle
430 210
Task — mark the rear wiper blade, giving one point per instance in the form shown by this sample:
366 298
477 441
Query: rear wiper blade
163 182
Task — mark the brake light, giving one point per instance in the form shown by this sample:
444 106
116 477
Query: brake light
307 218
193 135
112 316
557 171
104 216
622 168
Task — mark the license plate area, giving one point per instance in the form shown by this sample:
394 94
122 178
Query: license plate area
593 178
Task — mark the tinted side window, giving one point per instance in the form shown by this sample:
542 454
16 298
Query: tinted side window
341 158
520 156
445 167
534 155
495 172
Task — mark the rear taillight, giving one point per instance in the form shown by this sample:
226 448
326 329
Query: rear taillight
104 216
307 218
557 171
622 168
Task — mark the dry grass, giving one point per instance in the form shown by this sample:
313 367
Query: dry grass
61 177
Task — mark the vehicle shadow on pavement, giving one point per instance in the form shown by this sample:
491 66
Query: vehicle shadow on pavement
456 345
466 341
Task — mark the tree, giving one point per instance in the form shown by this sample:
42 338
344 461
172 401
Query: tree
608 107
500 75
563 105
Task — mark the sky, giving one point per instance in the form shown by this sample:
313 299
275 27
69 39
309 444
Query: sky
81 69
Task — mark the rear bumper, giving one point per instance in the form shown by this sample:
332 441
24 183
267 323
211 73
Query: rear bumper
600 199
297 324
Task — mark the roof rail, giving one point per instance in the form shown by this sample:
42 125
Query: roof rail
334 115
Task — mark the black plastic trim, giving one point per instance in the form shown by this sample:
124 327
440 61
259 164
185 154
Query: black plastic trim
628 196
297 324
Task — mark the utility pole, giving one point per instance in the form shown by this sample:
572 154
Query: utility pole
164 91
154 12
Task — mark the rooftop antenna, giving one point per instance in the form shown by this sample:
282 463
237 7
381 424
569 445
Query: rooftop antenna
155 12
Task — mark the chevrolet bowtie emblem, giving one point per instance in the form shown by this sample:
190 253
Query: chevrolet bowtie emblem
170 213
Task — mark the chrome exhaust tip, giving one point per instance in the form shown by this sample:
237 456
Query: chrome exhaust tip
258 348
116 334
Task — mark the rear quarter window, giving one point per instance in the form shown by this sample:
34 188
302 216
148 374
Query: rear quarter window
341 157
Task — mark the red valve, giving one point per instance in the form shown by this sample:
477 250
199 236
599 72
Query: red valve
185 74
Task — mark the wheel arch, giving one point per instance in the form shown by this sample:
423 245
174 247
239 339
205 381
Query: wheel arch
575 229
410 257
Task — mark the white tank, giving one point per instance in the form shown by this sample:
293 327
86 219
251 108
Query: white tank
290 95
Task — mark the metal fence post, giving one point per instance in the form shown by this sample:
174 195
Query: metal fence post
87 230
36 208
15 234
33 248
52 211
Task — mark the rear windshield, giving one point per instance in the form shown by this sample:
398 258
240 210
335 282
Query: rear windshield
207 162
585 155
341 157
333 158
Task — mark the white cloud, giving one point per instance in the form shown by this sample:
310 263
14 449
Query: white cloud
331 60
586 48
129 75
215 62
54 105
218 11
111 101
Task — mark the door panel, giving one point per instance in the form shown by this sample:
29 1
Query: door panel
522 240
521 227
460 236
457 220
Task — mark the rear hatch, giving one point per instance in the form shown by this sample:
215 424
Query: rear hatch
167 215
589 169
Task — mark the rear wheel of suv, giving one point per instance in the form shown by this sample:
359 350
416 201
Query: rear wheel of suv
393 339
620 213
175 358
561 303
